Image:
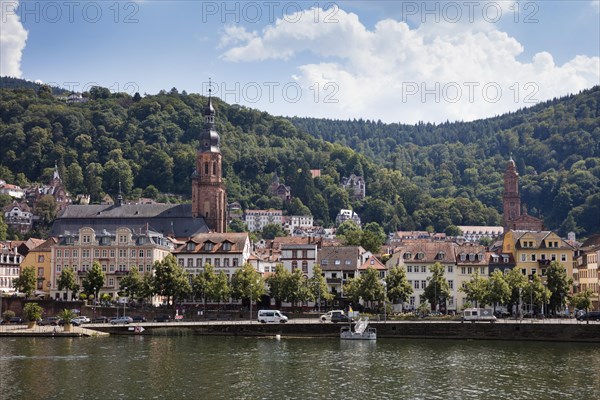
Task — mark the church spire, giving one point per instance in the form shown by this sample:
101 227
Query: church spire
210 139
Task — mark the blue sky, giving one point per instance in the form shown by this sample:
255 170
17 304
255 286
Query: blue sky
391 60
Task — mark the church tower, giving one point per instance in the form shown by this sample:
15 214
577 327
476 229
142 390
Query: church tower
511 199
208 190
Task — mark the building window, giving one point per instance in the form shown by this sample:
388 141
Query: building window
450 269
563 257
198 262
112 254
226 262
205 168
217 262
423 269
411 301
337 262
122 238
305 267
40 258
409 268
190 246
85 239
304 253
451 284
523 257
103 267
294 254
524 271
416 284
75 253
553 257
294 265
482 270
180 261
533 257
140 268
226 246
235 262
141 254
324 262
469 270
190 262
111 282
463 270
208 246
423 284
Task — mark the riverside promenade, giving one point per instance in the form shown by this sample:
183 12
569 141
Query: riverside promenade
47 331
524 330
511 330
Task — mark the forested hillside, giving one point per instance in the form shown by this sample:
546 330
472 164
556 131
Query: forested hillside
417 176
555 144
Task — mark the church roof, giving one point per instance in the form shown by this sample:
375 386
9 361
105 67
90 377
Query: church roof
169 219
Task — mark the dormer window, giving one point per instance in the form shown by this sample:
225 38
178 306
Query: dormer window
208 246
190 246
420 256
226 246
471 256
441 255
505 259
463 256
407 255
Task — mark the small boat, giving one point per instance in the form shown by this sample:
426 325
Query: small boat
361 331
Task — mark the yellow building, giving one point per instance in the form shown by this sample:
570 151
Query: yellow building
586 275
39 258
533 251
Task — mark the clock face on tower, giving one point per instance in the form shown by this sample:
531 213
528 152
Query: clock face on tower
206 144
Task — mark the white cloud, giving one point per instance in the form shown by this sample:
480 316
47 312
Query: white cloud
13 37
433 72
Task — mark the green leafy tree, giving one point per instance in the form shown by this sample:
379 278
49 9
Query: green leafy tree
94 279
296 287
437 286
277 284
559 284
46 208
368 287
237 225
538 293
317 285
516 282
3 228
499 290
170 279
131 284
66 280
220 290
582 300
398 288
247 284
477 290
271 231
372 237
146 289
26 282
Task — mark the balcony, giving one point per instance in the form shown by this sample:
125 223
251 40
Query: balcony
82 273
121 273
545 263
334 281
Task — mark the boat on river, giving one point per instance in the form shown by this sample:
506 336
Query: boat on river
361 331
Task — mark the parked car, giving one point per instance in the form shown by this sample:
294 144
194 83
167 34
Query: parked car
49 321
138 318
100 320
589 316
16 320
335 316
162 318
501 314
121 320
82 320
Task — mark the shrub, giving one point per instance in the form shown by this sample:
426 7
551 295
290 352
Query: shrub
32 311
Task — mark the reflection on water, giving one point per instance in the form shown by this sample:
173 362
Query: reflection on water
191 367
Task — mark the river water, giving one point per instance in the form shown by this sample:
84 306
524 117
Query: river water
197 367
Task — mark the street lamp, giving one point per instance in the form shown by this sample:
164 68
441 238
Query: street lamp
124 300
95 301
384 300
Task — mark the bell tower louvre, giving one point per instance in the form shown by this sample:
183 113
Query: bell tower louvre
209 197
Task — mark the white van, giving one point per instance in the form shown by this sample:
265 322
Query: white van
271 317
478 314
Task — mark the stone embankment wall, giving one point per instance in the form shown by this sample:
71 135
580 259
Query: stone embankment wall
572 332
